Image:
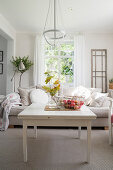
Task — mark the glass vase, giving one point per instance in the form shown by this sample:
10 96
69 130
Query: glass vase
51 102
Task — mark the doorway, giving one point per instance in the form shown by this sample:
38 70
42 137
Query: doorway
7 51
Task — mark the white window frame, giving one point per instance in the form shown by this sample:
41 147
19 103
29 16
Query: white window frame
58 57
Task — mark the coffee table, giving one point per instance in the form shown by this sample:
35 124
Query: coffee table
35 116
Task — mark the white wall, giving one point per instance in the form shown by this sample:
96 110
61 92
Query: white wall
8 32
10 53
24 47
7 29
98 41
3 77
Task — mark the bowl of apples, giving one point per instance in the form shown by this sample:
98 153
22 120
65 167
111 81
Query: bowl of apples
73 104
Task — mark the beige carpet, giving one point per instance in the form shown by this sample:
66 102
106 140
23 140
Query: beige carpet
55 149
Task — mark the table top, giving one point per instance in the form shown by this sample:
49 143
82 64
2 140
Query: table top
34 112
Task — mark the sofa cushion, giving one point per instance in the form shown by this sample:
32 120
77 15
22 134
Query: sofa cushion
95 90
96 95
100 111
25 95
97 102
39 96
16 110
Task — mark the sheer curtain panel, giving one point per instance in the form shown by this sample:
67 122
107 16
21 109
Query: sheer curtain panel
38 72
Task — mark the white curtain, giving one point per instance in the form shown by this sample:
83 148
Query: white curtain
79 43
38 72
79 78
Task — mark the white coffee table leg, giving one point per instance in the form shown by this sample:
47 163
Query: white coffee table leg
35 128
88 141
25 142
79 132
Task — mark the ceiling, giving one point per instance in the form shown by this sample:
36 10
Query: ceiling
76 15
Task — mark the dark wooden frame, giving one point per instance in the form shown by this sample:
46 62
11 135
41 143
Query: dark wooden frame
104 70
1 56
1 65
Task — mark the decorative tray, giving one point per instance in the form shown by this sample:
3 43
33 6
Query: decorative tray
47 108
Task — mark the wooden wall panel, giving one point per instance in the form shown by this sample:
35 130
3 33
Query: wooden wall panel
99 69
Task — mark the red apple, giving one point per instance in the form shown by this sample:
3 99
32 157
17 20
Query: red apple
65 101
76 107
81 103
72 101
68 101
72 104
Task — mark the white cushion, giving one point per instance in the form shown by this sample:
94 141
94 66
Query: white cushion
25 95
95 90
39 96
100 102
97 102
106 102
82 91
97 99
97 95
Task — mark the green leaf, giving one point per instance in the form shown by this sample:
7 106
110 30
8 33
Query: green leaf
48 79
27 63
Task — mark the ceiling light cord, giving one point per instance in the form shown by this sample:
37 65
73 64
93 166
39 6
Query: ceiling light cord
53 34
47 15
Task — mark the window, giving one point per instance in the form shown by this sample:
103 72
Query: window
60 60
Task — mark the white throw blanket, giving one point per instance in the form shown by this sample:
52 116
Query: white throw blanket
10 101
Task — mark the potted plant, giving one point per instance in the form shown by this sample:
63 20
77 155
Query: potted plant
111 83
21 65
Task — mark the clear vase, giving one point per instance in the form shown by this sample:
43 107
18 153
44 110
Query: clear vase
51 102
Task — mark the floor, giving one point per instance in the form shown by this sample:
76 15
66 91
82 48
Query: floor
55 149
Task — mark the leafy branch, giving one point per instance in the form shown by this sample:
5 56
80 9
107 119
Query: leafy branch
52 89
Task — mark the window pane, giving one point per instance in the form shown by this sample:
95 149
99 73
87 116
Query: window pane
66 70
66 46
67 49
51 53
51 50
62 53
51 64
59 60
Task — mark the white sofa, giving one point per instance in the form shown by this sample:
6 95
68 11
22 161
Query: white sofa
101 121
101 112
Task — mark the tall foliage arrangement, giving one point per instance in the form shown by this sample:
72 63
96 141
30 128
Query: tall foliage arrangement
52 88
16 62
